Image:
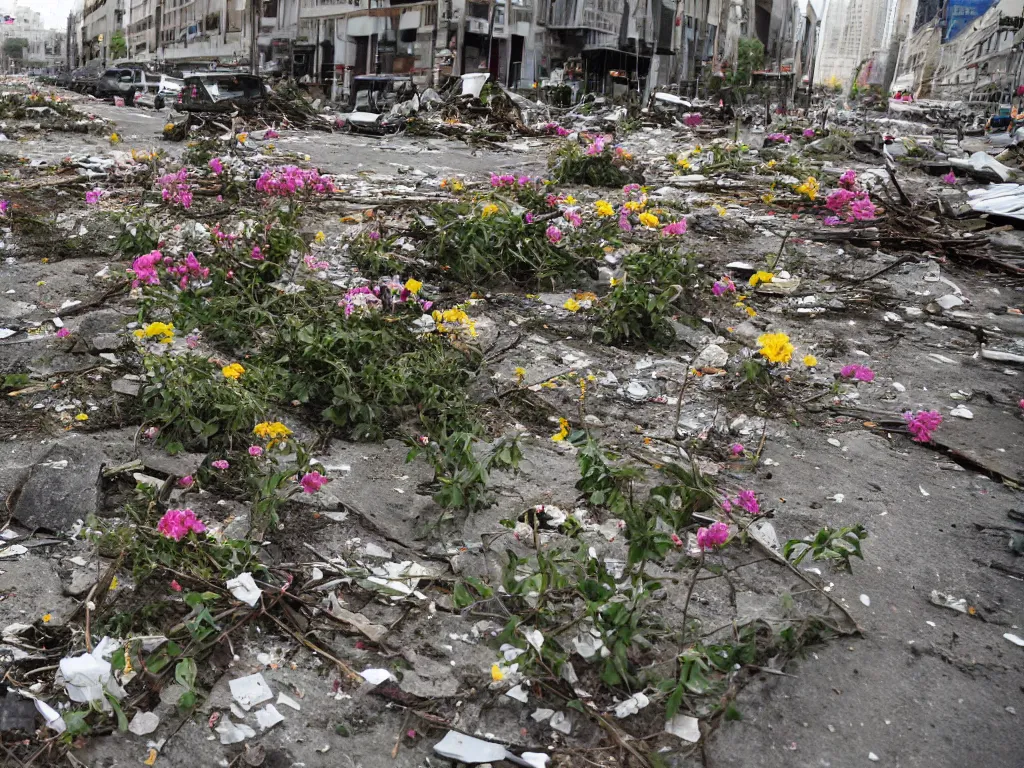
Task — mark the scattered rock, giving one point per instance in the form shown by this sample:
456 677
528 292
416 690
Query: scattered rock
63 486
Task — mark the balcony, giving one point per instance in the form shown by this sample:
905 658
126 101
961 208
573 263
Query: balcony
324 8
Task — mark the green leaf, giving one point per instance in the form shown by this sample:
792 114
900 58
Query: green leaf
674 702
122 721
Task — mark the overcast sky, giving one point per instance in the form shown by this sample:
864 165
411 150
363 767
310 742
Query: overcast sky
55 12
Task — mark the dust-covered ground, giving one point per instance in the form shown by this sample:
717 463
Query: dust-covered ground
912 658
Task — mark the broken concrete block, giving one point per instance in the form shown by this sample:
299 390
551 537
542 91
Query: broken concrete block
61 487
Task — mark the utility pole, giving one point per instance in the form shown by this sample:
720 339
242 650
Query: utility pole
254 28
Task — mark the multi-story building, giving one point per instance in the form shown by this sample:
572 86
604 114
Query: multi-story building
101 19
43 47
853 34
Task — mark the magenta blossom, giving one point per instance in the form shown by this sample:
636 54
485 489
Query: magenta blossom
554 234
808 133
270 133
375 235
624 224
186 481
289 180
63 333
736 448
693 120
177 523
255 451
5 206
597 147
573 217
848 180
949 178
830 221
257 253
675 228
922 424
175 189
748 501
216 166
713 536
311 482
151 432
528 218
862 209
219 464
778 137
858 372
144 268
722 286
93 196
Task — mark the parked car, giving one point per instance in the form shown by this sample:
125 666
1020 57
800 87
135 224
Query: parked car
84 79
119 81
159 90
221 92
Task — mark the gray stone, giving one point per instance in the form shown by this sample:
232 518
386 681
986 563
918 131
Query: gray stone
106 342
179 465
61 487
712 356
81 582
125 387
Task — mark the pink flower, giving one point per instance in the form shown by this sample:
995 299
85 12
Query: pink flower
375 235
177 523
862 209
411 733
858 372
720 287
216 166
675 228
554 234
219 464
63 333
311 482
150 433
748 501
726 504
677 541
624 224
93 196
597 147
186 481
830 221
145 267
289 180
175 585
1021 403
270 133
255 451
257 253
5 206
736 448
848 180
713 536
573 217
808 133
949 178
693 120
528 218
922 424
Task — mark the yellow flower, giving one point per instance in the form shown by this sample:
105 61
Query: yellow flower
115 139
768 199
520 375
46 618
720 208
809 188
760 277
413 285
82 417
320 238
770 163
269 147
271 430
750 311
649 220
113 583
683 163
572 305
453 321
776 347
810 361
570 200
496 674
168 127
614 281
635 205
458 186
233 371
604 208
489 210
163 332
563 431
242 137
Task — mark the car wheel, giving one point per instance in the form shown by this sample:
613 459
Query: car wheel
158 102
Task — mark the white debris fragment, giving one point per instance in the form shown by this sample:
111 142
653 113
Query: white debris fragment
244 588
560 722
684 727
943 600
923 491
833 441
287 701
632 705
376 676
468 749
542 715
962 412
873 757
535 759
143 723
52 717
250 691
268 717
88 678
1015 639
232 733
866 600
534 638
517 693
15 550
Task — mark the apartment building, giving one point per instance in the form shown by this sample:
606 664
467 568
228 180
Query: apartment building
853 34
43 47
